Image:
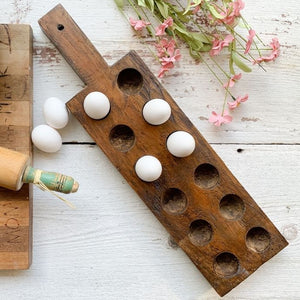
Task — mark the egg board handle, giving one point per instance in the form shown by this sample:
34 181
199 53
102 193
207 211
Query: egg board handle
61 29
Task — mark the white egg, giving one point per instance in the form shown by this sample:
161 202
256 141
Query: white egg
181 144
156 111
55 113
46 138
96 105
148 168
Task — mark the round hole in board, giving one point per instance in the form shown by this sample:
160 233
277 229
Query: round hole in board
122 138
258 239
200 232
60 27
226 264
206 176
232 207
130 81
174 201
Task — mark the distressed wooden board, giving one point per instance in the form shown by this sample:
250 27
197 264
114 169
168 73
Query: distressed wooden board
214 258
15 128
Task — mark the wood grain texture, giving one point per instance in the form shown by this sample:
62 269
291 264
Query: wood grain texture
15 128
220 253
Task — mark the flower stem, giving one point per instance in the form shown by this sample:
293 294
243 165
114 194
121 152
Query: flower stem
220 68
247 25
214 73
224 103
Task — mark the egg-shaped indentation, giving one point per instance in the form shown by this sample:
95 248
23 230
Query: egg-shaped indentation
200 232
232 207
226 264
258 239
174 201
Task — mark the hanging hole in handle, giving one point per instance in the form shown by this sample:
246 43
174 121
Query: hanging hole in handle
60 27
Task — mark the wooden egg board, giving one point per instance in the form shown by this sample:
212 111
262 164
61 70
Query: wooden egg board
197 199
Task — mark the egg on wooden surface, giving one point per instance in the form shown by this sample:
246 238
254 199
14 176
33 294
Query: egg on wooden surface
157 111
96 105
55 113
181 144
46 138
148 168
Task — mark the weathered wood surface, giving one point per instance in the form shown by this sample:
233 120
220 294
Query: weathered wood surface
15 128
112 247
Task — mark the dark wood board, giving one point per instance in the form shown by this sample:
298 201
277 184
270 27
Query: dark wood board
197 199
15 129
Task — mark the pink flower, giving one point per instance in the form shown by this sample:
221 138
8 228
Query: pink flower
138 24
165 68
229 17
160 30
196 8
231 12
237 102
164 47
218 45
219 119
232 81
167 54
275 46
171 59
237 7
274 54
250 40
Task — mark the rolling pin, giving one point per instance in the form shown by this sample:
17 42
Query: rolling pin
15 170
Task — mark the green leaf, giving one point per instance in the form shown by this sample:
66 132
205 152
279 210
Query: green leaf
188 7
196 3
194 54
183 17
141 3
239 63
201 37
151 4
214 12
120 3
196 45
163 9
206 48
191 5
178 28
231 66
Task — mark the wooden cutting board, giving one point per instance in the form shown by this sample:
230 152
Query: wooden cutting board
15 129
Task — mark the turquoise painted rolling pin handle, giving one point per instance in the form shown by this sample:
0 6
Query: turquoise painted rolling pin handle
53 181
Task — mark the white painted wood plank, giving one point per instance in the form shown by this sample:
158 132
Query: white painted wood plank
112 247
270 116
